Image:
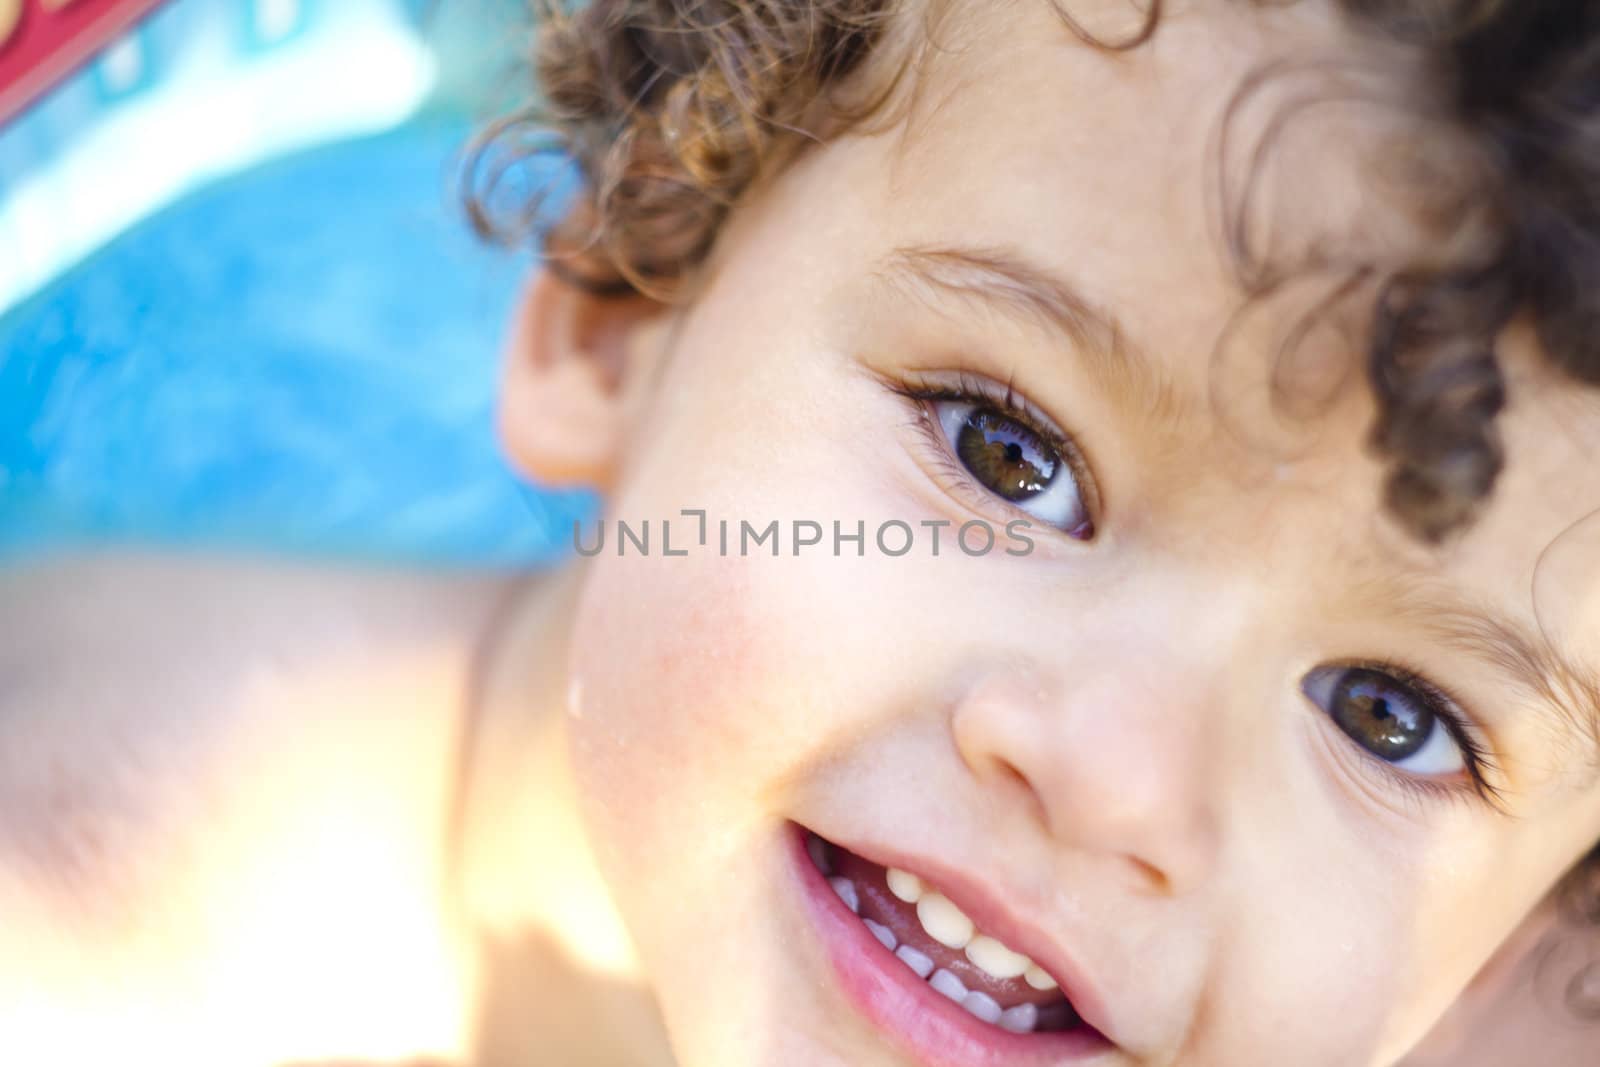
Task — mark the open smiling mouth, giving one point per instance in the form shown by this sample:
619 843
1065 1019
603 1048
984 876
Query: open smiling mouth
921 943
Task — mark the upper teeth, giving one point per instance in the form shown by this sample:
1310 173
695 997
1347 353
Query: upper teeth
905 885
944 921
948 925
1036 977
995 958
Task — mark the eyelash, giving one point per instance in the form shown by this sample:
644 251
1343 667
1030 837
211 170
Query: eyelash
1447 710
975 389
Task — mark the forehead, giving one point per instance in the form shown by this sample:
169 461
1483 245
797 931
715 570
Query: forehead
1109 169
1157 163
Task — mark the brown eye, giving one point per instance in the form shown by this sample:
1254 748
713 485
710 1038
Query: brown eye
1009 459
1388 718
1005 456
1372 710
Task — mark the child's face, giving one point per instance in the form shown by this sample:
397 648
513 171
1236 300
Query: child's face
1117 749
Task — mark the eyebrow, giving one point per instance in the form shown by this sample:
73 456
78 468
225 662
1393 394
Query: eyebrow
1006 282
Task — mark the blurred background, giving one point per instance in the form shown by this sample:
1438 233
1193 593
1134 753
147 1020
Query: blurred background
240 302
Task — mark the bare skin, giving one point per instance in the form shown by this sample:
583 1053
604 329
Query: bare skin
228 786
234 794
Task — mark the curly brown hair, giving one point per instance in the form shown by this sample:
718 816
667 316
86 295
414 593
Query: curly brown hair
672 109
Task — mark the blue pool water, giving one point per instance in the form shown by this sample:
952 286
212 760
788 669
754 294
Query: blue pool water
299 358
243 342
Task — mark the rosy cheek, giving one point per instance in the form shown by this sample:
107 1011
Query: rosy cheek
713 638
673 657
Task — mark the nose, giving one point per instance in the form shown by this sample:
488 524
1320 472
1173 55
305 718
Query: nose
1118 763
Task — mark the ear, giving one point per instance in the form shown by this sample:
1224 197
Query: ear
573 365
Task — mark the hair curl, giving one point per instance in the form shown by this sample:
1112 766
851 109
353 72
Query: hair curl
671 109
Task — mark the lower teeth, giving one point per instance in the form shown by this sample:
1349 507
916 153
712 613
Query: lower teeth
884 935
1021 1019
919 963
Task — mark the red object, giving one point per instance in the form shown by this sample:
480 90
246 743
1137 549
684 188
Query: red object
43 41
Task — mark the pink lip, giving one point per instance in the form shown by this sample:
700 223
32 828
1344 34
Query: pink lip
933 1029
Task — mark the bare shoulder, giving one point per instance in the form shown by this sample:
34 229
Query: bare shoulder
219 777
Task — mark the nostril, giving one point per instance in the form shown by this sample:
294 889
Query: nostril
1013 775
1153 878
1013 780
1009 770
